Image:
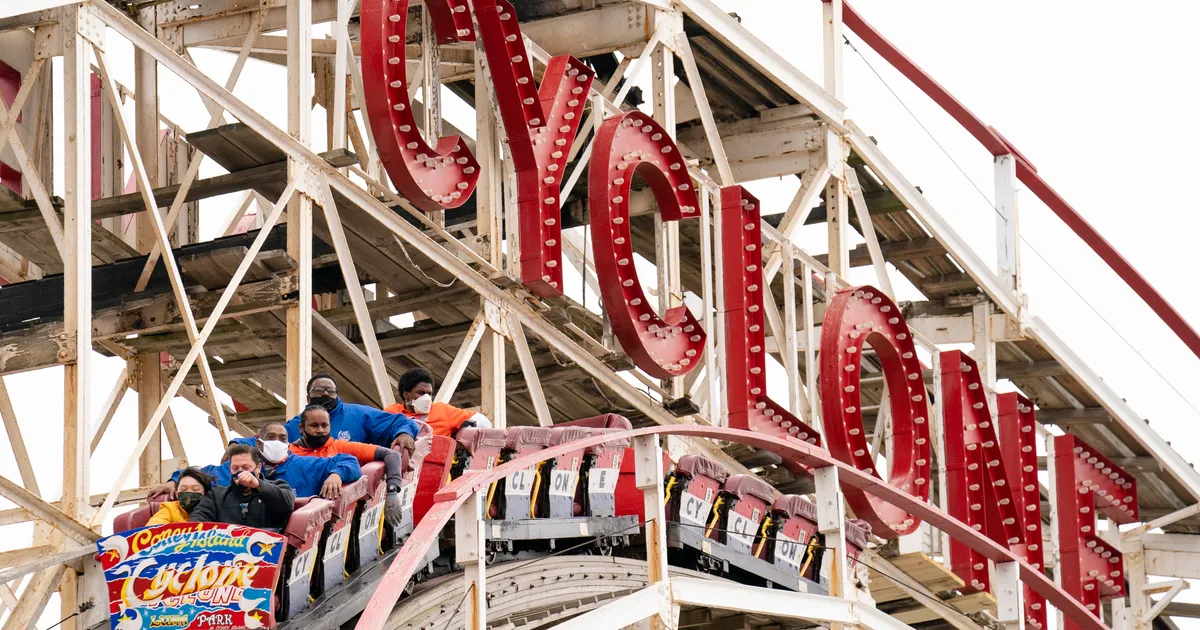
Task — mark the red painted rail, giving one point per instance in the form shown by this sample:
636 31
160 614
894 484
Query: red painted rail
997 144
447 501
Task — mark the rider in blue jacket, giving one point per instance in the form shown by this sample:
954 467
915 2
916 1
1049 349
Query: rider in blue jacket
308 476
357 423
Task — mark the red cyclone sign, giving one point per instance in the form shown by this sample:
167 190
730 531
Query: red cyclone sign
991 471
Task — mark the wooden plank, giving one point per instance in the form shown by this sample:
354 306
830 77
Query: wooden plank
967 604
46 512
1029 369
918 566
34 598
1074 417
948 283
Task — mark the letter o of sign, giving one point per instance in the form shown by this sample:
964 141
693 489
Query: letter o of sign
665 346
857 316
431 178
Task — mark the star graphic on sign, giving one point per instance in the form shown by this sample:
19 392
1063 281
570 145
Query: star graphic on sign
266 548
124 617
115 554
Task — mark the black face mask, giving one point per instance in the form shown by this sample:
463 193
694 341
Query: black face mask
315 441
328 402
189 500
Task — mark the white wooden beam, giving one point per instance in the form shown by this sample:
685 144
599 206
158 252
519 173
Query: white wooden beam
868 230
461 359
17 440
188 360
624 612
110 407
299 217
706 116
77 278
366 324
529 369
933 222
471 554
176 279
648 459
765 59
34 598
189 176
1008 234
46 512
811 184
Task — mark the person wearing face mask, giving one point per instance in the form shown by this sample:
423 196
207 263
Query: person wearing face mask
357 423
194 485
416 394
315 441
307 476
251 500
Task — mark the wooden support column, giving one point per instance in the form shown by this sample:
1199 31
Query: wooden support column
76 348
835 191
831 521
648 460
491 234
666 235
145 367
1008 234
1010 607
985 350
431 89
470 553
299 210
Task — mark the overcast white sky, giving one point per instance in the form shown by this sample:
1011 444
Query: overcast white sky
1097 96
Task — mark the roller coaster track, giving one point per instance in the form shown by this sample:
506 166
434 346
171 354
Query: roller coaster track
528 594
412 556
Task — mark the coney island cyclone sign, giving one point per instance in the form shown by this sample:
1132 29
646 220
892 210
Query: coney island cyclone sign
991 468
210 576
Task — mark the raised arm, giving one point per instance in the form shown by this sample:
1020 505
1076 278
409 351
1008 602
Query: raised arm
277 496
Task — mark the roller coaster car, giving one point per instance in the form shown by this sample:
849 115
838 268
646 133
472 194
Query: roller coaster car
334 552
413 464
626 498
793 543
312 518
526 510
735 527
744 513
692 490
514 497
305 535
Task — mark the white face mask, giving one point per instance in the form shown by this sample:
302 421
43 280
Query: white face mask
423 404
274 451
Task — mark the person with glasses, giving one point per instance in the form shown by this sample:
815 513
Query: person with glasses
357 423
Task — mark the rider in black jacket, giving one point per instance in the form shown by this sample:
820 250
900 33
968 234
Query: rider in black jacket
249 499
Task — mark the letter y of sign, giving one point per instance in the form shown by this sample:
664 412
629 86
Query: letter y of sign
540 126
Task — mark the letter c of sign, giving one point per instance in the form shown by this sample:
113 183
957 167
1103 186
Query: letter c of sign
666 346
432 178
856 316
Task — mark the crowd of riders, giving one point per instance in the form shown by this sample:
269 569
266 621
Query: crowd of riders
259 477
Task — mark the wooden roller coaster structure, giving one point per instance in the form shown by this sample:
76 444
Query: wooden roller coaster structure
572 179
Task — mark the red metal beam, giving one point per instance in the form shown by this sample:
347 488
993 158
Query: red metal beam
447 501
997 144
